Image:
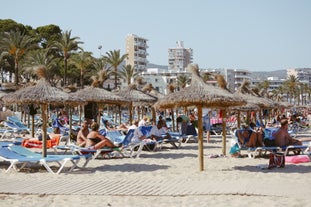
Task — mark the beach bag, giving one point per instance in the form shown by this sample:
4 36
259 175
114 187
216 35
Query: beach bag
234 149
276 160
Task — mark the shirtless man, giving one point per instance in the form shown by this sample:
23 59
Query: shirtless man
82 134
282 137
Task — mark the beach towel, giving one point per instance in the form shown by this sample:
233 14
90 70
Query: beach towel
38 144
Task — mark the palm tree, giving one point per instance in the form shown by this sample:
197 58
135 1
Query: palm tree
128 74
264 86
16 44
291 84
65 46
114 59
183 81
41 57
82 60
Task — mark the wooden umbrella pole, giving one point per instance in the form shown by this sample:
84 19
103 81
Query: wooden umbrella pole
33 125
131 112
224 117
239 119
70 123
200 131
44 136
173 119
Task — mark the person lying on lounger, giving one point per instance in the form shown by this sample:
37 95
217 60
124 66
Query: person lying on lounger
56 132
158 132
96 140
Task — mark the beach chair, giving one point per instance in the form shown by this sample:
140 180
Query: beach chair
191 133
14 123
7 133
254 152
269 134
16 156
129 148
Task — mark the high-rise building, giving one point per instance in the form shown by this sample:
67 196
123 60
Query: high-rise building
179 57
136 48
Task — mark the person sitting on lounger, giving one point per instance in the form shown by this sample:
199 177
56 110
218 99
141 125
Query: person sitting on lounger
158 132
283 138
250 137
96 140
82 134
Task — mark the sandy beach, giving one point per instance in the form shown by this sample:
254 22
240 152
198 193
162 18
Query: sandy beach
169 177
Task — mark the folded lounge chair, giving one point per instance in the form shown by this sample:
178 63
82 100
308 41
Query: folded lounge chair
15 156
14 123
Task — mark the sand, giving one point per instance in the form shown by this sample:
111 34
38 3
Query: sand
169 177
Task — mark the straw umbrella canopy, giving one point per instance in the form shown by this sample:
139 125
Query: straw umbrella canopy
99 96
42 94
201 95
136 98
253 97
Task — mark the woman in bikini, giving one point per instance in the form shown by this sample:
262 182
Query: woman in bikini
96 140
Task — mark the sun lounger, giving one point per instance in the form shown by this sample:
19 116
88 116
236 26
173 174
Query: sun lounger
6 133
253 152
16 155
14 123
191 134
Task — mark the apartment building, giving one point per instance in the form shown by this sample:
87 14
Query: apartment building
161 78
179 57
136 48
302 74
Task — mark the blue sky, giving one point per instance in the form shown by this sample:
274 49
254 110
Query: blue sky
257 35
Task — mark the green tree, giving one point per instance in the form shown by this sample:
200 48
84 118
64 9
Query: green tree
66 45
128 74
114 59
48 34
182 81
82 62
7 25
42 57
291 83
264 85
17 44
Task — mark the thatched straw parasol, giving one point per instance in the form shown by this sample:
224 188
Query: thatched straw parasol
42 94
201 95
99 95
136 98
252 97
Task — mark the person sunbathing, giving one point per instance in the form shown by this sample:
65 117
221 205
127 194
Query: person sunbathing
56 132
283 138
96 140
250 138
82 134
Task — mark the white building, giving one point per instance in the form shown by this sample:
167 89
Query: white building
179 57
161 78
136 48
